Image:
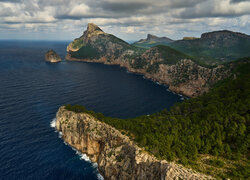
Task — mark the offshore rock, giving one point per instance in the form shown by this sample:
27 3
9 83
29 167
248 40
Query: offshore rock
118 157
52 56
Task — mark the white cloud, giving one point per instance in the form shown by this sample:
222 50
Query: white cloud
128 19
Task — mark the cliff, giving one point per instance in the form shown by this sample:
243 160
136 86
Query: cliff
160 63
116 155
52 56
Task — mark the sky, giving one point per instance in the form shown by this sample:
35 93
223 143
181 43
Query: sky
127 19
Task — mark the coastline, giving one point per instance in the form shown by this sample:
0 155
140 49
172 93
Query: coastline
143 73
82 156
116 155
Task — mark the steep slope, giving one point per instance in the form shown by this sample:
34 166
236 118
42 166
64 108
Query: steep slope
152 40
97 45
209 133
216 47
118 158
160 63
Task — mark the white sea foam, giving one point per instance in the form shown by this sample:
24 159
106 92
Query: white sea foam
99 176
53 123
81 155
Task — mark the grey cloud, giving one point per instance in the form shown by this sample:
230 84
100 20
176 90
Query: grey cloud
177 16
11 1
79 17
238 1
123 6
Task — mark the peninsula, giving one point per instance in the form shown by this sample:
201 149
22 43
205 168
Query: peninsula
182 73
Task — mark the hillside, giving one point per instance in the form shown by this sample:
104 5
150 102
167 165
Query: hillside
182 73
216 47
152 41
209 133
95 44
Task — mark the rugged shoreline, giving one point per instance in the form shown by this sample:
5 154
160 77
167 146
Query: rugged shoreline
116 155
168 75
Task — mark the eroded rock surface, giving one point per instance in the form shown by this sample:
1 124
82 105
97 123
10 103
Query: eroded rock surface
118 157
52 56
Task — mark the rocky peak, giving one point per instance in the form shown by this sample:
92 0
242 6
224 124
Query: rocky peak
93 28
150 36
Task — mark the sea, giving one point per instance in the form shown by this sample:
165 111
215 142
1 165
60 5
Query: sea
32 90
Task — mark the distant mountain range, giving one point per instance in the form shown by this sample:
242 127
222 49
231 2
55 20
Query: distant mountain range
210 48
152 40
180 65
217 46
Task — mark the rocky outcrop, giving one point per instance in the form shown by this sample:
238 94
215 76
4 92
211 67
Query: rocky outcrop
161 63
118 158
52 56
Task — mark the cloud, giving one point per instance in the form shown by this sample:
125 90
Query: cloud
129 19
11 1
213 8
238 1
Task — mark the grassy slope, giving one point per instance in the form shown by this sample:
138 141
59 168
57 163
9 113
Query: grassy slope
209 133
150 44
202 50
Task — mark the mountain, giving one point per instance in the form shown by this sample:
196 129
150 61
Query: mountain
182 73
152 40
96 44
215 47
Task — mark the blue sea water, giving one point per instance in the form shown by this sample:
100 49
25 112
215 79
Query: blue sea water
31 91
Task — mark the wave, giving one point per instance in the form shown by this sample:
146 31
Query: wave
81 155
53 123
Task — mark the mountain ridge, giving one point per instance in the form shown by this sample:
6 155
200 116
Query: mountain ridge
153 40
163 64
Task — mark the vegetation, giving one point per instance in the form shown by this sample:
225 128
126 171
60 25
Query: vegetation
150 44
215 124
87 52
77 43
213 51
170 55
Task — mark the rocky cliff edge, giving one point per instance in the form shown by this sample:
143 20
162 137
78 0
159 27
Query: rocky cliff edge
116 155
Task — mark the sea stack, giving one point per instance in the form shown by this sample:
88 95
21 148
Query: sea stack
52 56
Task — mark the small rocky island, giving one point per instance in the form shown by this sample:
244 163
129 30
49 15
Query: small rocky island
52 56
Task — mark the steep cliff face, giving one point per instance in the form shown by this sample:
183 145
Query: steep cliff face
117 156
161 63
186 77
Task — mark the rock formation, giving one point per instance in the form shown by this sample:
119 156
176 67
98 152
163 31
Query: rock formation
118 158
52 56
160 63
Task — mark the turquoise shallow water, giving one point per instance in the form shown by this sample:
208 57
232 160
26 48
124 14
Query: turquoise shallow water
31 91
